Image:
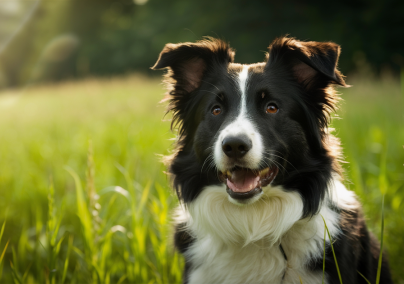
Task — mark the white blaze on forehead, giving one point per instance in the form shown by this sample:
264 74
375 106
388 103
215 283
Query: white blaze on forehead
242 125
243 80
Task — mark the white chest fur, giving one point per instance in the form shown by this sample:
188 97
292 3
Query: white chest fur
241 244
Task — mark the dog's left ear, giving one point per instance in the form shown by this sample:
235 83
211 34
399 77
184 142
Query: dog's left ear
308 61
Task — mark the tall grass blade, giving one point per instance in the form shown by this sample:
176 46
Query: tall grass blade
333 252
383 182
51 209
145 195
86 220
16 276
127 177
379 268
82 209
115 189
78 252
367 281
90 175
66 265
2 230
4 252
26 273
57 247
105 252
120 281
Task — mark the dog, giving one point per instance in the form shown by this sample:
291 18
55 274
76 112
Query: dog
257 170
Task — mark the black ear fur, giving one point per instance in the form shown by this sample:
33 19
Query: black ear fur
308 60
189 61
314 66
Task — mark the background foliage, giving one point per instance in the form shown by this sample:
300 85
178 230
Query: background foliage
78 38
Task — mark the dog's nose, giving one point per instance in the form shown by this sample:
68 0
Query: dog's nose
236 146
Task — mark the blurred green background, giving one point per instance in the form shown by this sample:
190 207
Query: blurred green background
55 40
83 195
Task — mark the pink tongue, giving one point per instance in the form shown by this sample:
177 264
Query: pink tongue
242 181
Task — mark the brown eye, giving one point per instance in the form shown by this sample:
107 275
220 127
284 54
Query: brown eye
272 108
216 110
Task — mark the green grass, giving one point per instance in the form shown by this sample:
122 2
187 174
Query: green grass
84 198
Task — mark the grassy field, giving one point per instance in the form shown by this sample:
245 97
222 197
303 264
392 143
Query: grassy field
83 195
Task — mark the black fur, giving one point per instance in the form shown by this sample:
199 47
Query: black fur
182 241
357 251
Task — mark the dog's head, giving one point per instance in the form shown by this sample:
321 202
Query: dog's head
251 127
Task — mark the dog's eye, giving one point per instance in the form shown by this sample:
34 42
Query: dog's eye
216 110
272 108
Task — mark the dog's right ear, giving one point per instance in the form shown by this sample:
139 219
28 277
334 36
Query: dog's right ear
308 61
188 62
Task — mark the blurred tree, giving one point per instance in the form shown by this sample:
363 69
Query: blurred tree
16 18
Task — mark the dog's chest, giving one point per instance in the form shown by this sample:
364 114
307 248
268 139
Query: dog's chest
214 262
233 244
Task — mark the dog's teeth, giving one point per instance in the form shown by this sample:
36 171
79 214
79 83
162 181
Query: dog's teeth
228 173
264 172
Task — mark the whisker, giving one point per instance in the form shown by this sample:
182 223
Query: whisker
210 92
211 165
204 162
278 164
210 156
268 152
210 84
273 162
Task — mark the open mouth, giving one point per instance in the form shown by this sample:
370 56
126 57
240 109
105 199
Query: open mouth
243 183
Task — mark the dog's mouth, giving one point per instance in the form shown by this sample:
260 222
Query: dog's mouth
242 183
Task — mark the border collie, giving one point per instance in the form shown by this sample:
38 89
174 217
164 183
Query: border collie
256 169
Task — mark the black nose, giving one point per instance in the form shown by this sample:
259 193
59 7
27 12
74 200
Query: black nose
236 146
